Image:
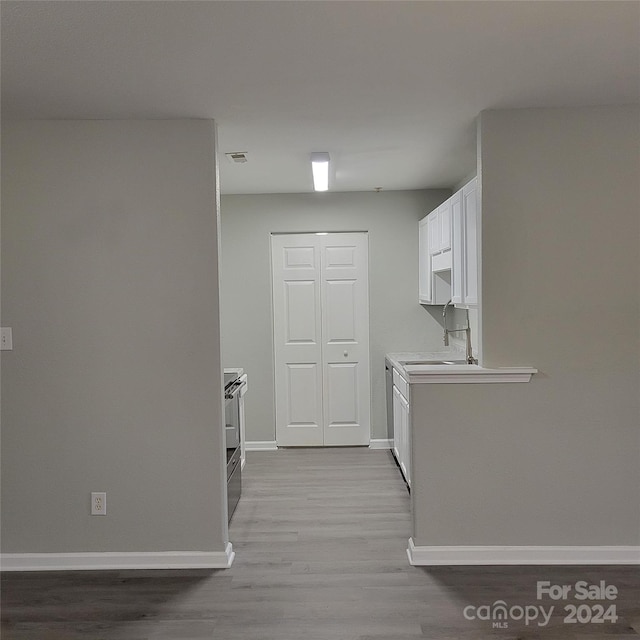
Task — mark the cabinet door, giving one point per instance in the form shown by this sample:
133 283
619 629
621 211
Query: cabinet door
457 249
397 425
470 234
444 223
424 263
406 440
402 449
401 435
433 232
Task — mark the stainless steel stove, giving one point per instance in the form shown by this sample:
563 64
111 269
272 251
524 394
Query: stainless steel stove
232 388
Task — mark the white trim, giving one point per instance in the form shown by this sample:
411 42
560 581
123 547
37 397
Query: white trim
380 443
261 445
453 373
466 373
118 560
497 555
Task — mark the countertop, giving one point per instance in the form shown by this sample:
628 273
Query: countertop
453 373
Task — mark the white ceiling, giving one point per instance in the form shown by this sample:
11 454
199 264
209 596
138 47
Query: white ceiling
390 89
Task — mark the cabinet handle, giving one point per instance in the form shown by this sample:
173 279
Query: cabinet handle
346 354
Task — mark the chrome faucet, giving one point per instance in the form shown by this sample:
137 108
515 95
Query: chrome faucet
469 352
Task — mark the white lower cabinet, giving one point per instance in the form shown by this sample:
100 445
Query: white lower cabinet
402 426
397 424
405 458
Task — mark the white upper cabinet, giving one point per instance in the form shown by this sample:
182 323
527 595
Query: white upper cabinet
434 265
439 222
433 224
424 263
444 221
464 275
457 259
448 260
441 247
470 206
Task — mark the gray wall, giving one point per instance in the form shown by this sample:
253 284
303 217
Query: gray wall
555 461
397 322
109 280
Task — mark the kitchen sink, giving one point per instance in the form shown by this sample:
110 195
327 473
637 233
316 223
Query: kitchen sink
405 363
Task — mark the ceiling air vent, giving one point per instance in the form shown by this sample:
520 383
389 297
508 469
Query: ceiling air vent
237 157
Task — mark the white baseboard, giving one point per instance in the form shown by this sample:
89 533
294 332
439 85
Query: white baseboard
380 443
495 555
261 445
116 560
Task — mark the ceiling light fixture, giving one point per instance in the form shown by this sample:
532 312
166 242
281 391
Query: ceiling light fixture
320 169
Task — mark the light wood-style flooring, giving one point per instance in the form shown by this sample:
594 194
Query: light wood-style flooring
321 537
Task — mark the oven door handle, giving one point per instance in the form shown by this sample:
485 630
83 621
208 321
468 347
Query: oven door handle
233 390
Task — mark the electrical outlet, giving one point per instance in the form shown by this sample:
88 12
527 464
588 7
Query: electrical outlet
6 339
98 504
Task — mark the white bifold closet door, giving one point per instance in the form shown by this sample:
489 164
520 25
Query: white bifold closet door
321 338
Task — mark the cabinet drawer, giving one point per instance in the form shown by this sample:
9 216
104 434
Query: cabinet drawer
401 384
